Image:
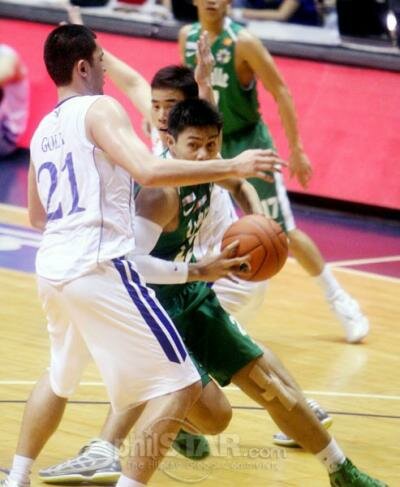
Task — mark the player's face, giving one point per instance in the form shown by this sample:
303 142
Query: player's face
212 9
162 100
97 71
195 144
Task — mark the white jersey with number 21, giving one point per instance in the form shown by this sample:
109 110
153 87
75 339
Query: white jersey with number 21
87 198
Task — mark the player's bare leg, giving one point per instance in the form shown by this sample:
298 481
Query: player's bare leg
157 426
43 413
266 385
98 461
287 408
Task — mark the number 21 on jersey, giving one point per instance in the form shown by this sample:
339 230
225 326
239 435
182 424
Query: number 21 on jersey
55 175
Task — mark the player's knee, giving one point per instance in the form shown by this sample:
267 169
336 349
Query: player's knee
219 418
194 391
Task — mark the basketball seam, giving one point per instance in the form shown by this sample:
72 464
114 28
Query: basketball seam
273 245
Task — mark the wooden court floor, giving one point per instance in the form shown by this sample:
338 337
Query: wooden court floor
357 384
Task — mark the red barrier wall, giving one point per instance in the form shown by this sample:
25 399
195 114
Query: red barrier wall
349 117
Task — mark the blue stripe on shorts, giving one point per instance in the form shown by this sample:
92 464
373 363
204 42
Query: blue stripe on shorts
154 326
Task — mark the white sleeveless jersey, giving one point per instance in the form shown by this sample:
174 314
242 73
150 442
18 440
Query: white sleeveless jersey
14 105
88 199
221 214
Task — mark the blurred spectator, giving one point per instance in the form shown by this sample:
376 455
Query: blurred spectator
295 11
14 99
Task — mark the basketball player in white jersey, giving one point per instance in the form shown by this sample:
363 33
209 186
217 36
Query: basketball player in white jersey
14 99
84 156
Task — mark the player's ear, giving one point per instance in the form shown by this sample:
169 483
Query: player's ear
170 142
82 67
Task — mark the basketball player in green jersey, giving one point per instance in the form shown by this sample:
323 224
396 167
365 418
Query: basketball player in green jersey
241 59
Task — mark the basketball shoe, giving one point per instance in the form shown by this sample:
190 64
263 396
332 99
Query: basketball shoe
97 462
194 447
348 475
283 440
348 311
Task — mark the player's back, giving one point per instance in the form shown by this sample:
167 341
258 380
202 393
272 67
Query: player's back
88 199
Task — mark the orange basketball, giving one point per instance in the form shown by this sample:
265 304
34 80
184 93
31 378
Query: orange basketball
264 240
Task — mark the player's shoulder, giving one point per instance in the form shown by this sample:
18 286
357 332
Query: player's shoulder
105 107
247 38
162 201
185 31
248 44
165 197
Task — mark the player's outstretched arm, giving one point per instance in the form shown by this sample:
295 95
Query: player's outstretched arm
130 82
109 128
251 51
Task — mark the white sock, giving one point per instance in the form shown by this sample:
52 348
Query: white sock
328 283
331 456
127 482
21 469
104 448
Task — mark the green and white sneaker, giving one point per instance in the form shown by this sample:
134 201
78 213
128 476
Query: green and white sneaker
349 476
194 447
96 463
283 440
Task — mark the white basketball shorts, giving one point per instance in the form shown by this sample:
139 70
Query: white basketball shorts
110 316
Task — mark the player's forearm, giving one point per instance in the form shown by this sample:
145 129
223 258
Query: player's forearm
283 13
206 92
288 117
130 82
267 14
174 172
160 271
247 198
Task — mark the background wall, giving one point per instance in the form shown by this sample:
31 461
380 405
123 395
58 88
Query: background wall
349 117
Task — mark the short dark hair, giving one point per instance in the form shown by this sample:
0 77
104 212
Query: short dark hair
64 46
175 77
193 113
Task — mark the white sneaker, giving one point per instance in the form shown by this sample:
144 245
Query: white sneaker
348 311
96 463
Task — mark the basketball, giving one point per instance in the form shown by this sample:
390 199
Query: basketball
264 240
